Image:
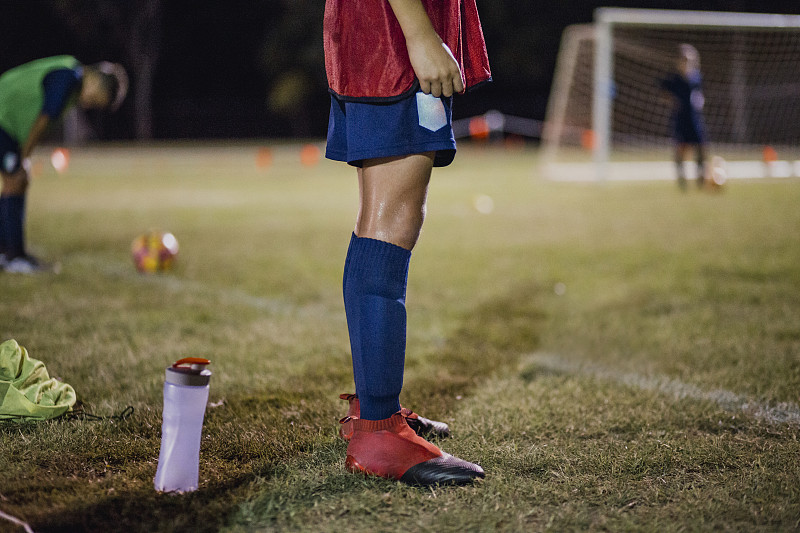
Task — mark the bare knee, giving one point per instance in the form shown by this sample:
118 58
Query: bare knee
399 223
393 199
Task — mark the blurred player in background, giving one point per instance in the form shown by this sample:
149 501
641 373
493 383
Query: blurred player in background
688 129
32 97
392 70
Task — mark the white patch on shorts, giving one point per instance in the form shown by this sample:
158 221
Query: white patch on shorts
431 112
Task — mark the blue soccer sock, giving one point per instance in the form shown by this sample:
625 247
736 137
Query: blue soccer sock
374 287
12 225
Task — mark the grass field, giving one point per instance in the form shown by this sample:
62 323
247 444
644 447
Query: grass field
617 357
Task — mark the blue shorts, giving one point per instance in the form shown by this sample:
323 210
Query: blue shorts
10 158
417 124
688 129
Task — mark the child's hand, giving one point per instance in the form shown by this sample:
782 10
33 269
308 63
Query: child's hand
435 66
433 62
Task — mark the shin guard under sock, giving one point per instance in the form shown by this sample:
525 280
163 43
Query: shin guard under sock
374 289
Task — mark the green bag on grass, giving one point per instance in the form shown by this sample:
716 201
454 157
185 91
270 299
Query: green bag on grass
27 392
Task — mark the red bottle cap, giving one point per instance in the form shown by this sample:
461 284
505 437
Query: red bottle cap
189 371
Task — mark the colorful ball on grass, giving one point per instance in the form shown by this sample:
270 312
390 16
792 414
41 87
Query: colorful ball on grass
154 252
719 173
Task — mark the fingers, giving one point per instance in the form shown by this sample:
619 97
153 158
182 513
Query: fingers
425 86
452 83
458 84
448 87
435 88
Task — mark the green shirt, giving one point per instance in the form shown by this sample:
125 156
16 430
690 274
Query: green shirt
22 94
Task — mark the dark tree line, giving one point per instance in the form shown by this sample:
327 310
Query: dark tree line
254 68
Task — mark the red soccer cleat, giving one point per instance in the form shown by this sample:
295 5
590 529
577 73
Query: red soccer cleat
390 449
421 425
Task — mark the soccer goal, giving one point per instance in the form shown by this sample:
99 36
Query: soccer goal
608 118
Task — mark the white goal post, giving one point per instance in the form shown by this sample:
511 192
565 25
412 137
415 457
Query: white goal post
606 109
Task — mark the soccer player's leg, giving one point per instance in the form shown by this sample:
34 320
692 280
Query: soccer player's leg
393 192
701 164
10 165
381 183
14 257
12 216
680 157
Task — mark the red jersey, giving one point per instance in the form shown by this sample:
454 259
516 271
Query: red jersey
365 50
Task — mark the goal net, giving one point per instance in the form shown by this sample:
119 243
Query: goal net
608 118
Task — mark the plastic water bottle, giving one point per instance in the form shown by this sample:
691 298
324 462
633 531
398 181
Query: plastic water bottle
185 398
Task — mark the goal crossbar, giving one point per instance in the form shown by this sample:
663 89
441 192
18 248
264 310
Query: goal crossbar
705 19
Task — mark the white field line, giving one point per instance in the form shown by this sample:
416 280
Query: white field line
781 413
17 521
665 170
